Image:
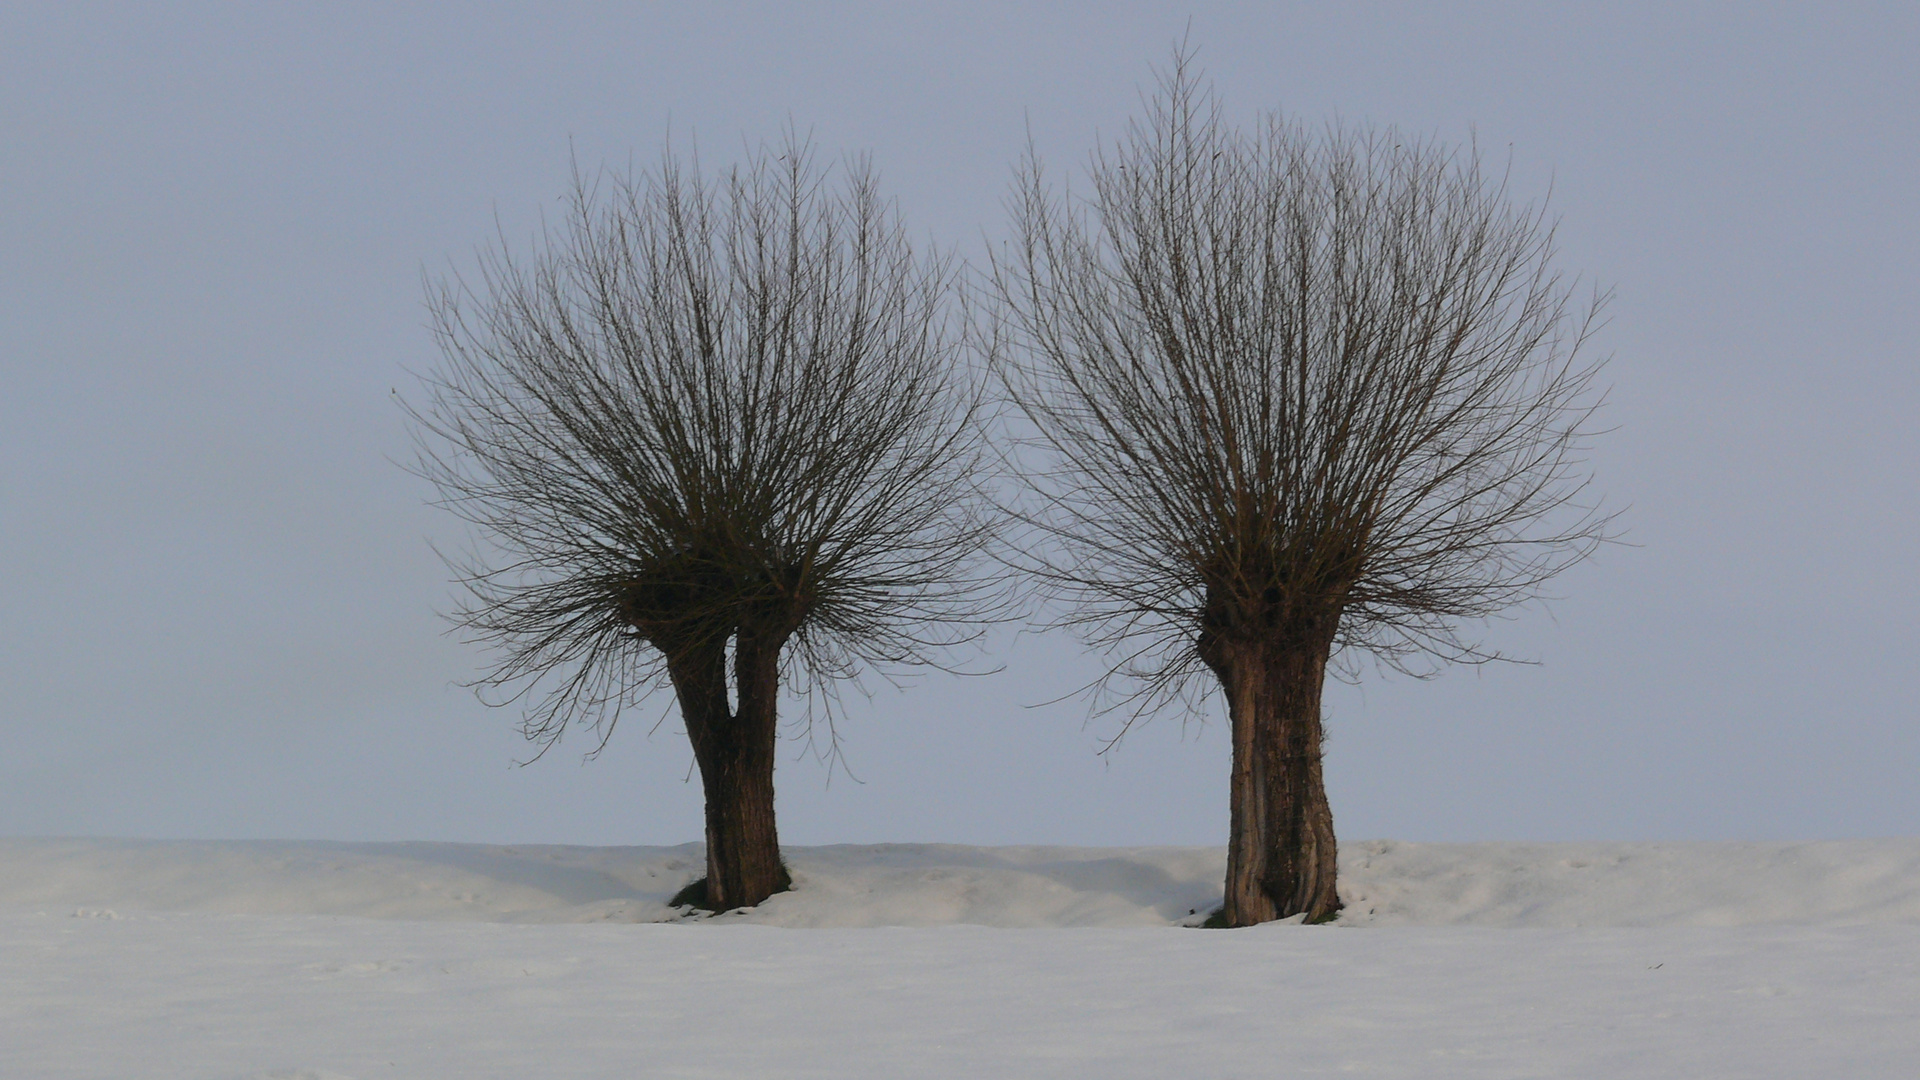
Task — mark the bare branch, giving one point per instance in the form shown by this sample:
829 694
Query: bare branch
707 406
1286 378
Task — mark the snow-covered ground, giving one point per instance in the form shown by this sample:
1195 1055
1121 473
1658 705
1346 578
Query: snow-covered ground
257 959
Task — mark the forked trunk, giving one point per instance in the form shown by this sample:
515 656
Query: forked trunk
734 748
1280 852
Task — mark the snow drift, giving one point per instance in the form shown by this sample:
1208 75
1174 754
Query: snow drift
1383 883
175 960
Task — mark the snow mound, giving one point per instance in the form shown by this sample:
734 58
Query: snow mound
1384 883
1829 883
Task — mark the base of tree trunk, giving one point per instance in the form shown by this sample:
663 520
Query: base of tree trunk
1281 853
1218 920
734 748
695 894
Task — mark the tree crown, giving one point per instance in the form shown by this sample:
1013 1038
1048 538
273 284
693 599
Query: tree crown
706 408
1291 386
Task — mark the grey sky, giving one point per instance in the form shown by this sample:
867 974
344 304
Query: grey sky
218 611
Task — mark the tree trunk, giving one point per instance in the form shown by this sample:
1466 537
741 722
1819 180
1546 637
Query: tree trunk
735 751
1280 850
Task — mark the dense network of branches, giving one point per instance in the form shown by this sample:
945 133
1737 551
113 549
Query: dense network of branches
1294 382
707 407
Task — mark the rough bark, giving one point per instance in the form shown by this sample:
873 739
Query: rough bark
734 748
1281 853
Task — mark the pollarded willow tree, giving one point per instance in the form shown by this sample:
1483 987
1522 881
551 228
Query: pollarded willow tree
1296 396
716 435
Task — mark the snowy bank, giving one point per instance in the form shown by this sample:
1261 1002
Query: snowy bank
1384 883
231 961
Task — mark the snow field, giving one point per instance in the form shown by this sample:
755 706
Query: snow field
1384 883
242 961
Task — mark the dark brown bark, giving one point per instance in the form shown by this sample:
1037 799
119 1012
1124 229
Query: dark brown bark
1281 853
735 748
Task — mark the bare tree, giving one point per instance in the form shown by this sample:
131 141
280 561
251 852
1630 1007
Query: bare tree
1296 396
710 424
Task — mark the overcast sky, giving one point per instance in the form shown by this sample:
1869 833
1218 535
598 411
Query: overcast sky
218 616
